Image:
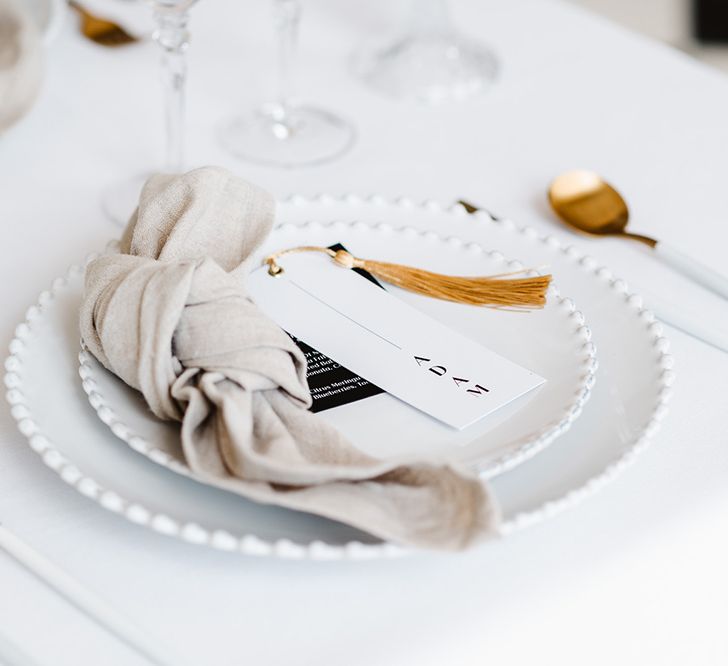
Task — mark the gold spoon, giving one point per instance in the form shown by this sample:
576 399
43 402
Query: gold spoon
583 200
100 30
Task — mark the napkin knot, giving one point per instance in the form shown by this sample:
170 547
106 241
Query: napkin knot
162 315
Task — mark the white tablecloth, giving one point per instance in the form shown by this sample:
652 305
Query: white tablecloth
636 575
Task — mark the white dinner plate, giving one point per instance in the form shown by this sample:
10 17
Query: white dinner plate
626 405
553 342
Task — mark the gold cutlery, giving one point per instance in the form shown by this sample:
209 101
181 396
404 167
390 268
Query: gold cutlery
584 201
665 309
100 30
472 208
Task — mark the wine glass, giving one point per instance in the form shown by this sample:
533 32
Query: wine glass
282 132
430 61
171 34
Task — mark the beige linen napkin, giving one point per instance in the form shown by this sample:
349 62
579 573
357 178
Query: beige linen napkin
169 315
20 62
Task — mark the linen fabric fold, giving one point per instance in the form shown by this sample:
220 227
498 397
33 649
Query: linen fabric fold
170 316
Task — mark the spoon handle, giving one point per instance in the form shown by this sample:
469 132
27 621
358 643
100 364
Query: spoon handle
693 269
685 319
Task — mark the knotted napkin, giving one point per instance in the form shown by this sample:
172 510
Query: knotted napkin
169 314
20 61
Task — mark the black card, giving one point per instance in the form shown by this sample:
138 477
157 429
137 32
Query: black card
332 385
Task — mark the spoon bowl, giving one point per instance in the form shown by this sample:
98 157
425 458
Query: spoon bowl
584 201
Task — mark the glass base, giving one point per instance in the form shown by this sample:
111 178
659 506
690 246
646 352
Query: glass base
295 137
119 201
429 68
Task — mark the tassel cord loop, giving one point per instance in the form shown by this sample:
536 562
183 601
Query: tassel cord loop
274 268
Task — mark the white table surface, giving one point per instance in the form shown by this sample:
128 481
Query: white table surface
636 575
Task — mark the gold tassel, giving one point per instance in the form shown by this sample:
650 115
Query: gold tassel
494 291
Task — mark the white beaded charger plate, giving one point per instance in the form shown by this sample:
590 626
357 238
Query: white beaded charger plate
626 406
553 342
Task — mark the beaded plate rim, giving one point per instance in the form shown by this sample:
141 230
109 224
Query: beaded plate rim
319 550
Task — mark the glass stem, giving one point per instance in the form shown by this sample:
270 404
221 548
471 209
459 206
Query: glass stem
173 37
287 15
